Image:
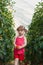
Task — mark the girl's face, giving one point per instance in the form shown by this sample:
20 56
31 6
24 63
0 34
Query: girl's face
21 32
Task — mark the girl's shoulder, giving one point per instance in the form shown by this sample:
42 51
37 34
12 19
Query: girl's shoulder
20 37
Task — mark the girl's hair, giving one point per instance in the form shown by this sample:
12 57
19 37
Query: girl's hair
21 28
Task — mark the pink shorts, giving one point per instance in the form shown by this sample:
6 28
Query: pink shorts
19 56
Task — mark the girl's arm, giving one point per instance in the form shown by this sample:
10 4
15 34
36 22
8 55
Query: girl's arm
25 42
14 42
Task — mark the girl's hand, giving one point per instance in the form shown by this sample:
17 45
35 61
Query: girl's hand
19 47
16 46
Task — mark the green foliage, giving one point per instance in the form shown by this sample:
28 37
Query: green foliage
7 32
35 37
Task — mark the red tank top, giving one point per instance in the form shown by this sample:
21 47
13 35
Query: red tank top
19 42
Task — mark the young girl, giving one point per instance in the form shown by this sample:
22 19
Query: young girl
19 43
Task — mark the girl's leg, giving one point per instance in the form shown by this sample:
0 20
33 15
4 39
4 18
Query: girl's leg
21 63
21 59
16 61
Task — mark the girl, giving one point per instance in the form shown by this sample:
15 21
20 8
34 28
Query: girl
19 43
